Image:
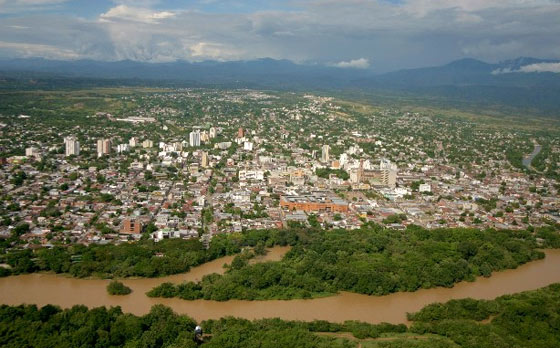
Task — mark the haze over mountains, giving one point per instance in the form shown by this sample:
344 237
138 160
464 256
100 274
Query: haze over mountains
526 83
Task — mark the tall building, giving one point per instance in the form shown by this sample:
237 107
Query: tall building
133 142
123 148
325 153
72 146
147 144
204 136
103 147
212 132
204 161
194 138
240 133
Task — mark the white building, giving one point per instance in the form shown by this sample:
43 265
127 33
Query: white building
72 146
123 148
325 154
425 188
194 138
248 146
212 133
133 142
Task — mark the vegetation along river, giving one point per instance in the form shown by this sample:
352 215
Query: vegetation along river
43 289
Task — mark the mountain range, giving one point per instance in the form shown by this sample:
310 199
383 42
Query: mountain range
513 83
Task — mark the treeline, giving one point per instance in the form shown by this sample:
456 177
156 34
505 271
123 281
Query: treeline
525 320
140 259
49 326
528 319
372 260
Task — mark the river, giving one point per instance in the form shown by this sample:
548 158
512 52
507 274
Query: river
43 289
527 160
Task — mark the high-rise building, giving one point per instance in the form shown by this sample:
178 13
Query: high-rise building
212 132
204 160
123 148
194 138
240 133
204 136
325 154
147 144
72 146
133 142
103 147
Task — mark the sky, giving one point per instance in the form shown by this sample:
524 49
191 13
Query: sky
381 35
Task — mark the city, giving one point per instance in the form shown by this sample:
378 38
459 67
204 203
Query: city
270 174
180 164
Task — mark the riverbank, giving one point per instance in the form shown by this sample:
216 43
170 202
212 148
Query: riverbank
42 289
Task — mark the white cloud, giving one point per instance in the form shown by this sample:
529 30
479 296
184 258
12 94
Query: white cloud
410 33
209 50
541 67
531 68
360 63
124 12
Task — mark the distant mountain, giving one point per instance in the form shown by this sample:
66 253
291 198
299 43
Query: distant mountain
465 81
264 72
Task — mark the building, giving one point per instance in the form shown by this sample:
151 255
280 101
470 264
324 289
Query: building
315 202
33 152
194 138
425 188
103 147
72 146
133 142
131 226
204 136
325 154
123 148
147 144
212 132
240 133
248 146
204 160
385 175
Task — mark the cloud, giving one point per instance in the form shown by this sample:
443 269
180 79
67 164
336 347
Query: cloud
124 12
11 6
531 68
361 63
541 67
403 34
25 50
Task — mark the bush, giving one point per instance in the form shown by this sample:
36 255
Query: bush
118 288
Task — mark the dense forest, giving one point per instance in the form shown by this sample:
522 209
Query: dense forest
372 260
526 320
141 259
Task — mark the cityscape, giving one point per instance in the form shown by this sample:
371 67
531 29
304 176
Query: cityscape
299 174
164 172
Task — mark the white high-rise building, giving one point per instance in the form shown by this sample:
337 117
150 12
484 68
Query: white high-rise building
325 154
123 148
194 138
103 147
72 146
133 142
212 132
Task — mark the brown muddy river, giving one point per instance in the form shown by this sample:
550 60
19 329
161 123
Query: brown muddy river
43 289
